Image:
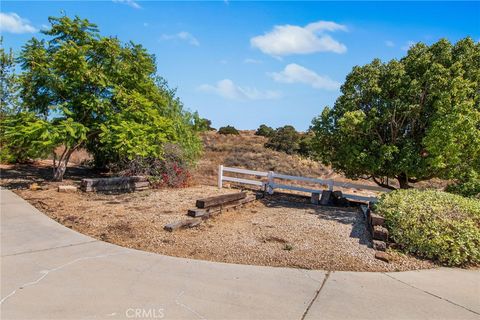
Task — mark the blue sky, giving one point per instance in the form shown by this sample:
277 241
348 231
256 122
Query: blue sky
248 63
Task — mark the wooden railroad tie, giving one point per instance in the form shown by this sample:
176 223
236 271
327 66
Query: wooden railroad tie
208 207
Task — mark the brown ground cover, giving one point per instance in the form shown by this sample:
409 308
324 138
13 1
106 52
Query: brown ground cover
280 230
275 231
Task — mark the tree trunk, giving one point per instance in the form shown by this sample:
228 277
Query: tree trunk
59 171
60 167
403 181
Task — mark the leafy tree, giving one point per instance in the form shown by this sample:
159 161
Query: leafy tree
202 124
80 89
228 130
264 131
410 119
285 139
305 144
8 100
8 81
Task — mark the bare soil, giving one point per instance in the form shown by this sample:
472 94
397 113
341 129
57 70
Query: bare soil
279 230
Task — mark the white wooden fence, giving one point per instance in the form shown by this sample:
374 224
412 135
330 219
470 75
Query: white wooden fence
270 184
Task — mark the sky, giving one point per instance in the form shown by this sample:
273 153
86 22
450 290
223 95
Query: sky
248 63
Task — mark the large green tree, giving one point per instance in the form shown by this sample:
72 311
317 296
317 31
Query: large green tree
80 89
410 119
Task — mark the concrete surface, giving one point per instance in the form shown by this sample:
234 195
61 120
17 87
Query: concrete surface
51 272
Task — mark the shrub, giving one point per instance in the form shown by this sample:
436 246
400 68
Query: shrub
434 225
170 171
467 186
264 131
305 145
285 139
228 130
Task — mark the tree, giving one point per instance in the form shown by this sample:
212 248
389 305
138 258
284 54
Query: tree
202 124
80 89
410 120
264 131
8 81
285 139
8 100
228 130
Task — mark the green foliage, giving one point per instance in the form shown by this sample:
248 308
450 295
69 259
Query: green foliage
8 81
8 100
84 90
434 224
228 130
468 185
410 119
33 137
285 139
305 146
264 131
201 124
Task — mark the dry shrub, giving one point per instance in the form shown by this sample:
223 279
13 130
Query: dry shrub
170 171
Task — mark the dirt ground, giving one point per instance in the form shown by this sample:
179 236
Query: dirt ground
279 230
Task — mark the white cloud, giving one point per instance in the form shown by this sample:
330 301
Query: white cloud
294 73
183 36
226 88
390 43
12 22
408 45
252 61
289 39
130 3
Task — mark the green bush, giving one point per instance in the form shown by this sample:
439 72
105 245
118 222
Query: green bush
228 130
433 224
264 131
285 139
468 185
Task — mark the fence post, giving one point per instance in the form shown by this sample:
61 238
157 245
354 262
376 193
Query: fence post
270 183
330 185
220 176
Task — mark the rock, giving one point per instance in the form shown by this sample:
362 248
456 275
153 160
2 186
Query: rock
380 255
67 189
377 220
34 187
380 233
379 245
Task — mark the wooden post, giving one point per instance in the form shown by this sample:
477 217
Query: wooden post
330 185
270 183
220 176
315 198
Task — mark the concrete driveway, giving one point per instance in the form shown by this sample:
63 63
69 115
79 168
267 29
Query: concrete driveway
51 272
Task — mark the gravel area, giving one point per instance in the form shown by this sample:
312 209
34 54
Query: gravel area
279 230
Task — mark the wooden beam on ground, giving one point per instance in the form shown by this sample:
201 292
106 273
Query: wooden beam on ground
207 213
115 184
188 223
219 200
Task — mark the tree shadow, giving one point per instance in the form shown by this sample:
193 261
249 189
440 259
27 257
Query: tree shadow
21 176
350 215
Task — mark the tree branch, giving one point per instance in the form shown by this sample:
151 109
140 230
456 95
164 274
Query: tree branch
383 185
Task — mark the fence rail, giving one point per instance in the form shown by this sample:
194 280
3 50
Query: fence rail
270 183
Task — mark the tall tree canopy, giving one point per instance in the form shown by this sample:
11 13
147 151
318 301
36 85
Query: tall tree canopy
80 89
410 119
